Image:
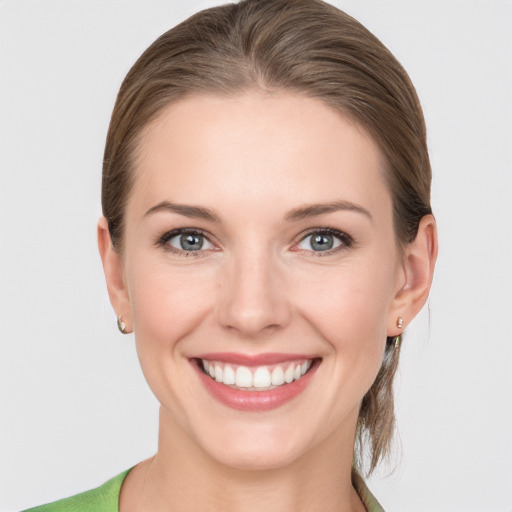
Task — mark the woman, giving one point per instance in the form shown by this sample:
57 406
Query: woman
267 236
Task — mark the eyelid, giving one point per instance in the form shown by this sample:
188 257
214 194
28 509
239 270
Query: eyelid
345 239
163 241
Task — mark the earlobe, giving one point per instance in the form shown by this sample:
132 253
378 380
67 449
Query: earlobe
418 269
114 274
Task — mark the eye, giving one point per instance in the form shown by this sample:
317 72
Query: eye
324 241
186 241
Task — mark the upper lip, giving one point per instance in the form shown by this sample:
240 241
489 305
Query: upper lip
254 360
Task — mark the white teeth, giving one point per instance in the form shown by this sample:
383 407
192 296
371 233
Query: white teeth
261 378
229 375
256 378
288 374
243 377
277 376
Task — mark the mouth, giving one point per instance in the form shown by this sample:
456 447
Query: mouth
259 378
255 383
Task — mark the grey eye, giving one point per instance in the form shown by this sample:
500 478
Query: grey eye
190 242
319 242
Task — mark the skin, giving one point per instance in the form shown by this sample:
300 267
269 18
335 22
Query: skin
258 286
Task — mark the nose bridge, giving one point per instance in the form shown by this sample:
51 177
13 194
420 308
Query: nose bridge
253 293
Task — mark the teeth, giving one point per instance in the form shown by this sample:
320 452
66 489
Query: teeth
243 377
259 378
277 376
288 374
229 375
304 367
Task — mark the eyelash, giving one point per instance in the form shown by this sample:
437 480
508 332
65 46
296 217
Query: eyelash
163 241
346 241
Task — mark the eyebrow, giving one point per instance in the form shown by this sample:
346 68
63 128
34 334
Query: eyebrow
301 213
194 212
313 210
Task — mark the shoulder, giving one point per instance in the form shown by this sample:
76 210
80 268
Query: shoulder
102 499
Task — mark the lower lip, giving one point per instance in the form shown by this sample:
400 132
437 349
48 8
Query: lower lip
256 400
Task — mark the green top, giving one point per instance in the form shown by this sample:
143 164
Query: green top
102 499
106 498
369 500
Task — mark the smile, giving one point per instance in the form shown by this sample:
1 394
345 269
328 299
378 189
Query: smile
255 383
260 378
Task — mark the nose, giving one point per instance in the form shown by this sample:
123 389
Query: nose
253 299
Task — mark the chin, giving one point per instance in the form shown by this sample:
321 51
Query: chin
260 458
253 448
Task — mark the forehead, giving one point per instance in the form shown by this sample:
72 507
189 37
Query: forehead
258 149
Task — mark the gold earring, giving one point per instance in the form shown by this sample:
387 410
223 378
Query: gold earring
121 325
397 341
400 322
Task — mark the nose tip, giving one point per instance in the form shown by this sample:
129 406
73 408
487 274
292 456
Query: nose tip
251 322
253 301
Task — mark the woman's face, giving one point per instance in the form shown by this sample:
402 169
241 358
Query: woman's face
259 245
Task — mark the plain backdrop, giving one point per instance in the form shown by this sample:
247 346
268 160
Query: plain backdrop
74 407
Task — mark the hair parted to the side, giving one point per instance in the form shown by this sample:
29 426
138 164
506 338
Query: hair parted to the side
304 46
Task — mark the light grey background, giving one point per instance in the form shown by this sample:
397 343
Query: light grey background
74 407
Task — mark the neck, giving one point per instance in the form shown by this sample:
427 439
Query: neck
182 477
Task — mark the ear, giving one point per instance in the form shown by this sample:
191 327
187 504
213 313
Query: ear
114 274
416 277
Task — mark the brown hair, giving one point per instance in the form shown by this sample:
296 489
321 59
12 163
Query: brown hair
304 46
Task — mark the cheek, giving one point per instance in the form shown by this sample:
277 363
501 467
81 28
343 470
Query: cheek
167 305
347 302
348 308
167 302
